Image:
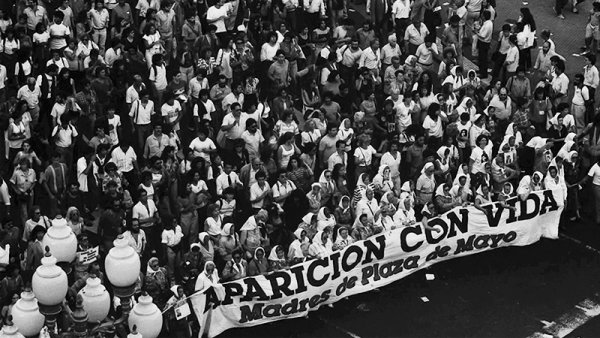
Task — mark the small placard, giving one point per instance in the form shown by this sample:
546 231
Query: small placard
182 311
88 256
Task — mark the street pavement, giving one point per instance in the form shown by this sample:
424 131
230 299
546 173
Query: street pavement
550 288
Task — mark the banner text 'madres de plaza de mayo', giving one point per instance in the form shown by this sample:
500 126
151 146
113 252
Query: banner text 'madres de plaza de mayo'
375 262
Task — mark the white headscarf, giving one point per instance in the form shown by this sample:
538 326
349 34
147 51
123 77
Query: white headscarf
307 218
273 255
214 275
341 205
324 221
439 191
537 142
427 165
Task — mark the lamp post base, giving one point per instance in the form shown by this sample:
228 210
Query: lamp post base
50 312
124 294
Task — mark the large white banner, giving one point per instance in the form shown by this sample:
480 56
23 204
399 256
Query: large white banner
375 262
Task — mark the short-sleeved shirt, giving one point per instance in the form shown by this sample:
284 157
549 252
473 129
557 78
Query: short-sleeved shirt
140 211
594 173
480 158
366 154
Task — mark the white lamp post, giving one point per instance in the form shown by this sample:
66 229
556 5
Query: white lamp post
96 300
26 315
122 265
62 242
146 316
10 331
50 285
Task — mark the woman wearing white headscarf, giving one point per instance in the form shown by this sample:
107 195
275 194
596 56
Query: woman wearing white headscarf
362 228
553 182
447 155
309 224
251 236
327 186
346 133
176 327
314 197
259 264
405 215
425 184
406 191
456 78
343 213
529 184
207 278
506 192
321 245
277 260
325 219
206 246
228 242
460 191
343 239
362 184
443 199
482 197
235 268
367 205
383 181
156 281
74 220
298 249
508 150
501 173
466 106
513 130
543 153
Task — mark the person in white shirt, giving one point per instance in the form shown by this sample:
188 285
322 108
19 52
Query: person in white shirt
146 213
340 156
141 114
197 84
133 91
581 96
590 74
202 146
171 112
58 32
217 14
253 138
283 188
158 77
512 58
427 54
371 58
388 52
560 84
114 125
401 14
228 178
204 107
170 239
126 160
98 21
234 124
113 53
484 38
64 135
259 190
314 10
3 77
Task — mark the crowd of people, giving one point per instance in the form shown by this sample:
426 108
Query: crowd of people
232 139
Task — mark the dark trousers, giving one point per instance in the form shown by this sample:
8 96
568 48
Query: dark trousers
400 28
559 5
498 62
484 48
